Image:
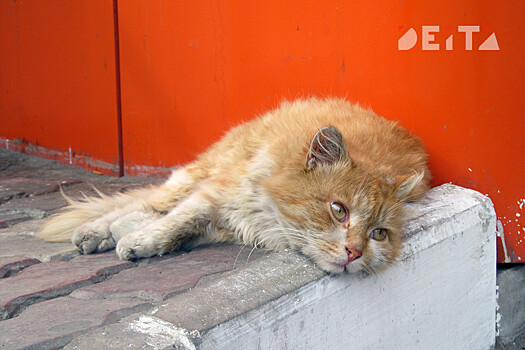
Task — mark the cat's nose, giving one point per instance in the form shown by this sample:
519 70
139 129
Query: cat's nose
353 253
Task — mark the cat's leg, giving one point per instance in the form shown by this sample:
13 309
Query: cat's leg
95 236
139 208
132 222
190 219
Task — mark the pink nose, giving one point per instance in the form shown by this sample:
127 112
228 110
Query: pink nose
353 253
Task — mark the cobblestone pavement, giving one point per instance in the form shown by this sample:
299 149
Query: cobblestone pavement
49 294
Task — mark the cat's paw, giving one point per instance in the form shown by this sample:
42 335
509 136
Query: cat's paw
93 238
130 223
136 245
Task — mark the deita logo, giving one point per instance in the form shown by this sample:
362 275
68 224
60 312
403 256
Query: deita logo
428 41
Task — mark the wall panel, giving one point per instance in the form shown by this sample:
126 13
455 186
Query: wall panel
57 81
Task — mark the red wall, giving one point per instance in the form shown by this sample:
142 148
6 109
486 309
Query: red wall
57 80
191 70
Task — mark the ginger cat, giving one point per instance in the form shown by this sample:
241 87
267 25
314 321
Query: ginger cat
321 176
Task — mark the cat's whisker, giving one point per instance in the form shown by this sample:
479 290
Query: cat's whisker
308 233
295 233
295 238
299 235
249 255
238 254
289 233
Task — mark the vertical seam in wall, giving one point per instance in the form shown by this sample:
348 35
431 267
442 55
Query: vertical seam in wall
118 90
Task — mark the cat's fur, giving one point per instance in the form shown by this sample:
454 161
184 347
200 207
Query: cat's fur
272 183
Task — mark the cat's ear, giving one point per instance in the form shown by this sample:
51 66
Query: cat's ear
405 184
327 147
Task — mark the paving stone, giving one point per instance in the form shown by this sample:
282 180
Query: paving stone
30 246
49 203
11 265
160 279
110 255
29 227
7 194
7 220
54 323
53 279
18 187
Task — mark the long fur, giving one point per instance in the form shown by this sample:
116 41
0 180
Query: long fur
60 227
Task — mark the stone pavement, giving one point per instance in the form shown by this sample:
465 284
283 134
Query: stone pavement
49 294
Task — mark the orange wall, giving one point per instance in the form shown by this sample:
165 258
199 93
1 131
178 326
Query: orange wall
190 70
57 80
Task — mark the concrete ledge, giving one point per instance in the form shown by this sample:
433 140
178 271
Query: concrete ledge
441 294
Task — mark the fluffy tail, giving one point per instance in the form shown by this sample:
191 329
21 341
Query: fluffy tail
158 198
61 226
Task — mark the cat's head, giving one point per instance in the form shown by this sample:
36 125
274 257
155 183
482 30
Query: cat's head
345 217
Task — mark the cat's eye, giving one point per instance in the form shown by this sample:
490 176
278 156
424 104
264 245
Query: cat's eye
379 234
339 211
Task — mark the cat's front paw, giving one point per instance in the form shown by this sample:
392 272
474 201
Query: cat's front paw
92 238
136 245
125 253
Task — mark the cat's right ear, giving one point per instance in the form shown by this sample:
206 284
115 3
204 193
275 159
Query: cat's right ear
327 147
405 185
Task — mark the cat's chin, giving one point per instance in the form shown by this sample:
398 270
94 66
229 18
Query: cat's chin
331 267
354 267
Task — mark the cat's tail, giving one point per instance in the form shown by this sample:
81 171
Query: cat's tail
61 225
159 198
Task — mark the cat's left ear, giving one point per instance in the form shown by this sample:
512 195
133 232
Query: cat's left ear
405 184
327 147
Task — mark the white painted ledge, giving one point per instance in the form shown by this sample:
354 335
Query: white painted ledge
440 295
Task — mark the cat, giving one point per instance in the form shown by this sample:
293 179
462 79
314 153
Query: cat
322 176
